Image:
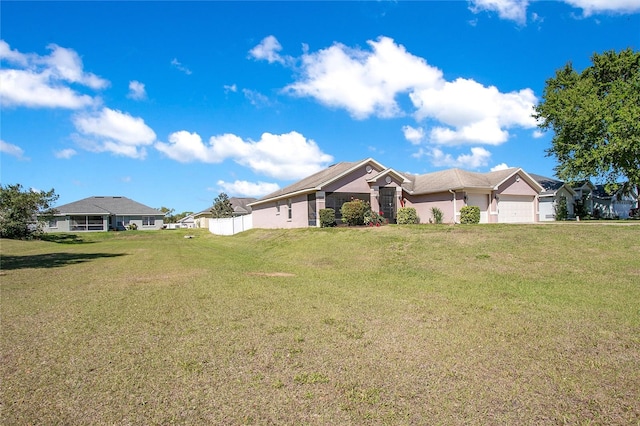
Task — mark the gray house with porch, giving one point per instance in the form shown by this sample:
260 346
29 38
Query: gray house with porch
104 214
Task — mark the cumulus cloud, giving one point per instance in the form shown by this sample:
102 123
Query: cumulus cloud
244 188
256 98
65 154
114 131
472 112
285 156
13 150
364 82
268 50
137 91
514 10
501 166
479 157
413 134
368 82
37 81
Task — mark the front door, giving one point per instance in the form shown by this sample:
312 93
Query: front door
388 204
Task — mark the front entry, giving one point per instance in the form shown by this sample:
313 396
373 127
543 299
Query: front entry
388 203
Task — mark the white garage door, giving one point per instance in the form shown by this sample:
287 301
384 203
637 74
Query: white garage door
482 201
515 209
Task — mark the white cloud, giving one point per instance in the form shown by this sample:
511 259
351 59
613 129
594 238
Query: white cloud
136 91
114 131
256 98
514 10
268 50
363 82
248 189
473 113
65 153
479 157
591 7
286 156
537 134
413 134
230 88
501 166
43 81
13 150
178 65
367 82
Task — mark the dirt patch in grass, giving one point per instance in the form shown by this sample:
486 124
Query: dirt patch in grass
271 274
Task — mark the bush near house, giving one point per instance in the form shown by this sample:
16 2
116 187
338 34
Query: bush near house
437 214
372 218
561 210
353 212
407 216
470 214
327 218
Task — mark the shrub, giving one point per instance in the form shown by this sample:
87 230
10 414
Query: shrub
372 218
132 226
407 216
327 218
353 212
470 214
437 214
562 213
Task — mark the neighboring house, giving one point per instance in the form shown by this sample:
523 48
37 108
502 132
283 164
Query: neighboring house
240 208
187 222
554 191
103 214
505 196
613 206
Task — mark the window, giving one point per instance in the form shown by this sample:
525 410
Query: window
53 223
289 210
148 220
277 207
86 223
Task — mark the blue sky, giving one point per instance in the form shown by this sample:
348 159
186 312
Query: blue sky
172 103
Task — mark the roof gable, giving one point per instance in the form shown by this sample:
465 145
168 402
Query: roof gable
319 180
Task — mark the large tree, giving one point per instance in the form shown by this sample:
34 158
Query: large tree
23 212
595 117
222 206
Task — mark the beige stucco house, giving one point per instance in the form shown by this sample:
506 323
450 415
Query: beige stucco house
505 196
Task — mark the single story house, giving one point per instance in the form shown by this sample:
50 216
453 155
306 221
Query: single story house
554 191
616 205
240 207
505 196
104 214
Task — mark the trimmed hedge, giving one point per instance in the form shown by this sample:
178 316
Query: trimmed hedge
327 218
470 214
407 216
353 212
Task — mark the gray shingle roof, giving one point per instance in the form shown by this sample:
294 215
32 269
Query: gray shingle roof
107 205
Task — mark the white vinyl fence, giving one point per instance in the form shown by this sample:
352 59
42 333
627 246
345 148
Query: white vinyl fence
231 225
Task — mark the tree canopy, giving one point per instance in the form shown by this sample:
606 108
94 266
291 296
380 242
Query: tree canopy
23 212
595 117
222 206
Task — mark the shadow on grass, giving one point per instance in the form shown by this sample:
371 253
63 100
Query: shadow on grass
64 239
50 260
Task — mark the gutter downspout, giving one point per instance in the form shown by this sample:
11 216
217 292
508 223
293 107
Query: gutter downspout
454 204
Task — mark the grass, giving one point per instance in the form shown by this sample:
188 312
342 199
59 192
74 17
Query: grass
521 324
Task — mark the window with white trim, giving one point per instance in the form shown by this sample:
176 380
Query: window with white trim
148 220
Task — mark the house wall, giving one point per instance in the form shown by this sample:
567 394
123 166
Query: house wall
267 215
356 181
442 200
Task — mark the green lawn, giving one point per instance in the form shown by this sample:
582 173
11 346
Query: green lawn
474 325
